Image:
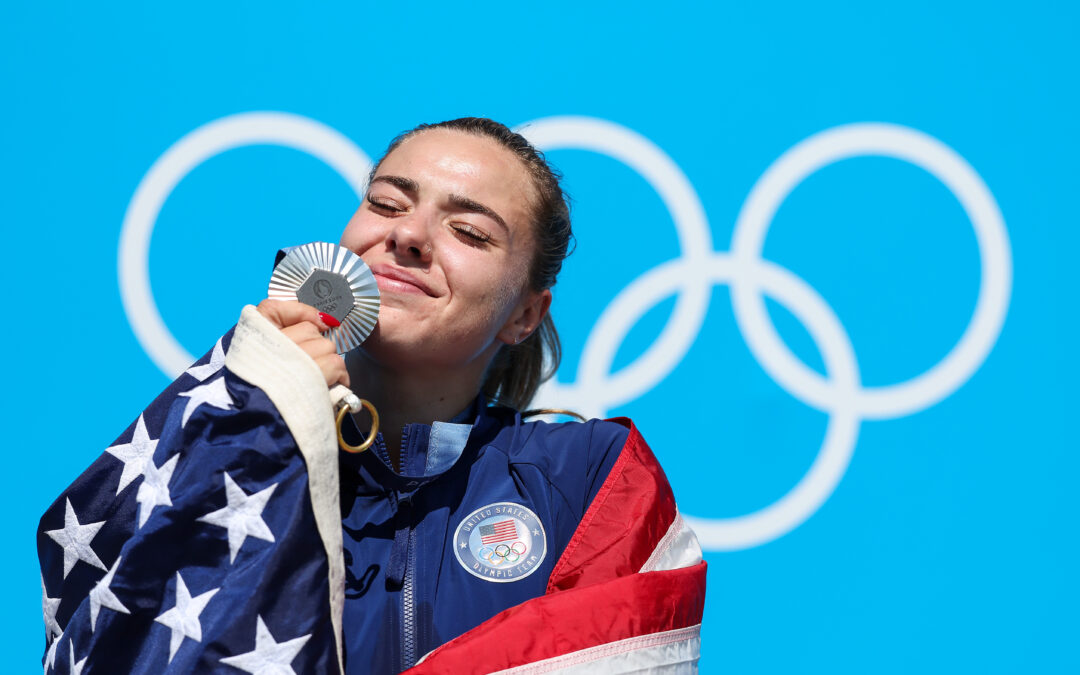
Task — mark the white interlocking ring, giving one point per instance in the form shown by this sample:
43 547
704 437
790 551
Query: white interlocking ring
213 138
936 158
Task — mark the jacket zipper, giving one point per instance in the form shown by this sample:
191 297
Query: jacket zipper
408 586
408 607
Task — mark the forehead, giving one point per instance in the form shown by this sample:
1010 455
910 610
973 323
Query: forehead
447 161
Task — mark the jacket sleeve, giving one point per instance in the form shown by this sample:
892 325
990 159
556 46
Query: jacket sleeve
200 537
627 594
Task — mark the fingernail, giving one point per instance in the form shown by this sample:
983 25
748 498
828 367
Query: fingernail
329 320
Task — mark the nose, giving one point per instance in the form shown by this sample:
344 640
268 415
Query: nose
410 238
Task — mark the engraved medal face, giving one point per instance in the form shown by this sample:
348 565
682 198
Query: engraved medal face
335 281
327 292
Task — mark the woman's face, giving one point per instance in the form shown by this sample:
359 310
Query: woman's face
445 228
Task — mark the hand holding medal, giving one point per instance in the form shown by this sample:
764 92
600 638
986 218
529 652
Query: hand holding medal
335 281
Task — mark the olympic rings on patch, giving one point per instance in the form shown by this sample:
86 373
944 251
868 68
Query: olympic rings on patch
503 553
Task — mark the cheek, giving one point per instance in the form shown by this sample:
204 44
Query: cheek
495 291
488 283
359 234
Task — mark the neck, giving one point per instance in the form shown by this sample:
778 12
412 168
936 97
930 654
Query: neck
405 397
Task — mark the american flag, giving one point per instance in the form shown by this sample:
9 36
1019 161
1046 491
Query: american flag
155 559
493 533
166 536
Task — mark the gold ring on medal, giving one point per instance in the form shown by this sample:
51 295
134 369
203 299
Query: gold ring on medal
371 435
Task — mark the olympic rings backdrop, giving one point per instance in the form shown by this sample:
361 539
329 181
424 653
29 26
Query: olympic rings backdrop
825 260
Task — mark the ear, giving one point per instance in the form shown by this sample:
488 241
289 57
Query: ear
526 317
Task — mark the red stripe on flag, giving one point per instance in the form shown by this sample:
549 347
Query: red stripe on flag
569 621
629 516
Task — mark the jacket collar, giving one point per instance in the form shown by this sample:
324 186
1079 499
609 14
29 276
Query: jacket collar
428 451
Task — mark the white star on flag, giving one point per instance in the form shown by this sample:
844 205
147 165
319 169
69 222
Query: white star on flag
48 612
76 667
242 517
214 394
134 454
50 656
154 490
183 619
102 596
269 656
217 360
75 539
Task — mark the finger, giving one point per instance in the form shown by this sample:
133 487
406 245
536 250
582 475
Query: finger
283 313
317 346
333 369
302 332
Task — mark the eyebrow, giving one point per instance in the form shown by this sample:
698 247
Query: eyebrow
407 184
457 201
466 204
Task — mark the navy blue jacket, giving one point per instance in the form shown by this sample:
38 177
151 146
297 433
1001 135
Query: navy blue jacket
418 571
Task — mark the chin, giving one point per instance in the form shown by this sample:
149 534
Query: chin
410 351
392 349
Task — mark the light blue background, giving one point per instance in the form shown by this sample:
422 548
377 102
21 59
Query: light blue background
951 542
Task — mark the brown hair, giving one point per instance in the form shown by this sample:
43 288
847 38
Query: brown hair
517 371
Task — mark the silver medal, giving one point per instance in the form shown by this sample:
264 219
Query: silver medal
335 281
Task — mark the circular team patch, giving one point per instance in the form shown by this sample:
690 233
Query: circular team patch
500 542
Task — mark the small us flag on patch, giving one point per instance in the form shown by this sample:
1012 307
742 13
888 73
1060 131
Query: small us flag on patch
500 531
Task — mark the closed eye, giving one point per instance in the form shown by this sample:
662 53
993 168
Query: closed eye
384 204
471 233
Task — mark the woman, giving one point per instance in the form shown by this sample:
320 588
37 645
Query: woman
467 530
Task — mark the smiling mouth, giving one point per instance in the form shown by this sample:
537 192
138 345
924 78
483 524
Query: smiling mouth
396 280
